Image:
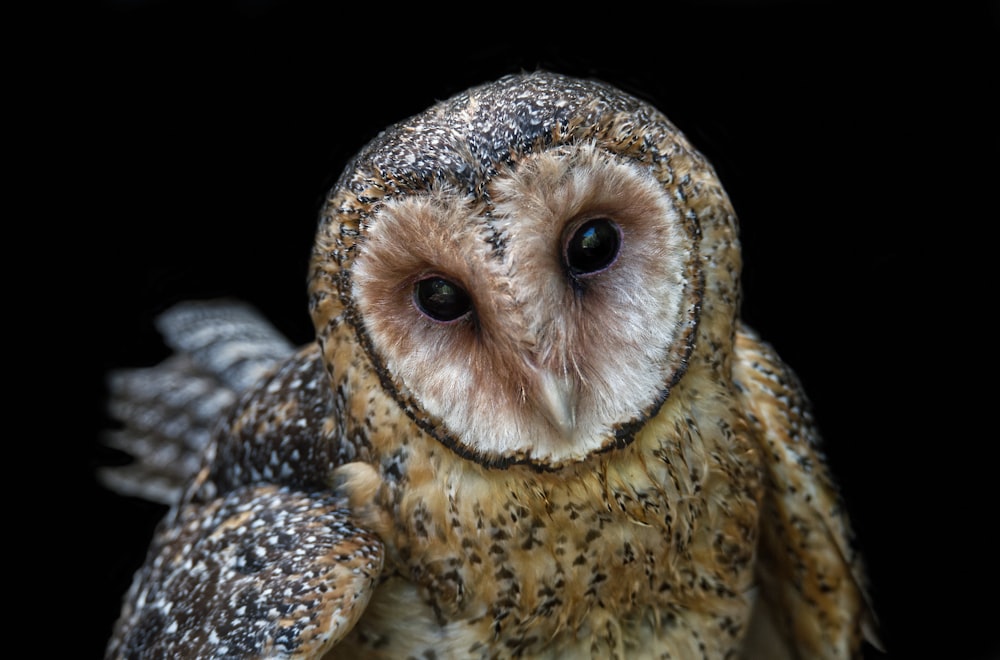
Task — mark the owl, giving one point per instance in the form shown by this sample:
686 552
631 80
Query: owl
532 423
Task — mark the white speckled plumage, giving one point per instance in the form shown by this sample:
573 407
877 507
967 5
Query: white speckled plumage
532 424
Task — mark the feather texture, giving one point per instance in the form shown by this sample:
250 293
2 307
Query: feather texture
532 423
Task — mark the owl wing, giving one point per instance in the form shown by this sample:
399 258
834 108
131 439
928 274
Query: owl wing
812 584
167 412
263 571
260 556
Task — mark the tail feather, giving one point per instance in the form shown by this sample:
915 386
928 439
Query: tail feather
168 412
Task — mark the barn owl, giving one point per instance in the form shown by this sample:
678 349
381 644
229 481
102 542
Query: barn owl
532 423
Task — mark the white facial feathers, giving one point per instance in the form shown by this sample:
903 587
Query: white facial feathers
547 363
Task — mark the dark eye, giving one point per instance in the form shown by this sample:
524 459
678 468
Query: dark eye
441 299
592 247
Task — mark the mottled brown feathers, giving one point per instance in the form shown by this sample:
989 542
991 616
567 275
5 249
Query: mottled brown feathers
591 457
813 580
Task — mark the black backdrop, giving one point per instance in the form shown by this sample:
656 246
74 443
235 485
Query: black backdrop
195 141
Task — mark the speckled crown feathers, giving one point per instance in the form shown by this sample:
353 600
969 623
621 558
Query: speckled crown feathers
461 144
465 140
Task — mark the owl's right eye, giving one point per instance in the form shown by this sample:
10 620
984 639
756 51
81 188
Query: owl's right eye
441 299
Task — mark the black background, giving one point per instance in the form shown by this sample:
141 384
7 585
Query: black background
185 147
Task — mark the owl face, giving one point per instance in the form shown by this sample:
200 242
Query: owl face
537 326
530 299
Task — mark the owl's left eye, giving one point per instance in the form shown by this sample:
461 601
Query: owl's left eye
440 299
592 247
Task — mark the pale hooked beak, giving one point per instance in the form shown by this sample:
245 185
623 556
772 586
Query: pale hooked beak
557 399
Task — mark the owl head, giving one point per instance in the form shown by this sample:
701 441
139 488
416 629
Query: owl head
529 267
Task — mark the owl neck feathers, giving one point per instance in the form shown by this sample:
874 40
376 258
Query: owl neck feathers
538 553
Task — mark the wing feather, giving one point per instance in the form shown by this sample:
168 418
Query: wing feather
263 571
812 581
259 556
167 412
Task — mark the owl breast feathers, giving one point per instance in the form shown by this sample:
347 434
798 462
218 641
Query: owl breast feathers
532 423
